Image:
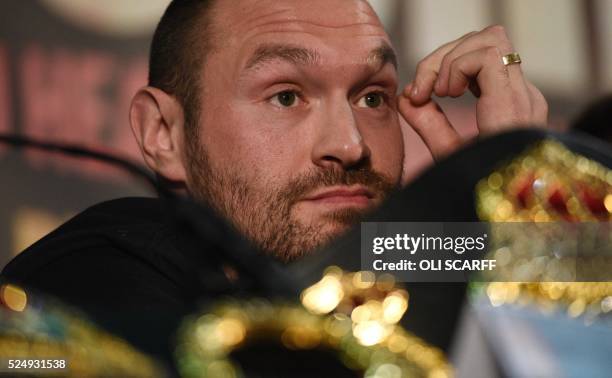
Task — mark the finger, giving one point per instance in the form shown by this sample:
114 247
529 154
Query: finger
427 72
479 66
507 99
416 154
539 105
431 124
492 36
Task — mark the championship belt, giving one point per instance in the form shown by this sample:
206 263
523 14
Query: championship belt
557 191
346 325
40 337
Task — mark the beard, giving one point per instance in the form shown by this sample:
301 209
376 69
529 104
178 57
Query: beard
264 215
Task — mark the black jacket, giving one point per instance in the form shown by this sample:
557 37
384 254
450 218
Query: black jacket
126 264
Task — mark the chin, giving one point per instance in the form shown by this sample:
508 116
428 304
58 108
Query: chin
332 228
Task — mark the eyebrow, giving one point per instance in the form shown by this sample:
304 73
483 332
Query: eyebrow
302 56
293 54
382 55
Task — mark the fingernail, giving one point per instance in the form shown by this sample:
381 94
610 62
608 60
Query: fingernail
407 89
415 91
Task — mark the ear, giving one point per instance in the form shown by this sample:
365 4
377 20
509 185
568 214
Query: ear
158 121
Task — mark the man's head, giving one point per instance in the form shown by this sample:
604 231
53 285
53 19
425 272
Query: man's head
279 114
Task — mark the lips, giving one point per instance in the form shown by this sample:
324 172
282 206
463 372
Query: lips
358 196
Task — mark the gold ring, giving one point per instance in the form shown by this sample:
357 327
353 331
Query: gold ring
512 58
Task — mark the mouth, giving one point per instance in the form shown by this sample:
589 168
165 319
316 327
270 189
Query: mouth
354 196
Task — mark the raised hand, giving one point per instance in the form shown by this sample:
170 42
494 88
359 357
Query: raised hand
473 62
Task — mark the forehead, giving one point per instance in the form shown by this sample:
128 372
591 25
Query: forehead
247 14
347 27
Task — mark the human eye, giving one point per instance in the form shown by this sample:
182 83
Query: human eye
372 100
285 99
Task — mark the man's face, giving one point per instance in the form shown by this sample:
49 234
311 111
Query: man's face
298 129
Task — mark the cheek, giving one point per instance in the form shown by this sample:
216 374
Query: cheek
385 141
246 142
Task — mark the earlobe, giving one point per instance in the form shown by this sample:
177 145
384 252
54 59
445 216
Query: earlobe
157 122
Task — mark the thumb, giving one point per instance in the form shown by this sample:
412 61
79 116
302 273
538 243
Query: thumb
430 122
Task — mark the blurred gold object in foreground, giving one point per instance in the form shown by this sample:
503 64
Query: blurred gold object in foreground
13 297
351 314
550 183
374 306
547 183
590 299
35 328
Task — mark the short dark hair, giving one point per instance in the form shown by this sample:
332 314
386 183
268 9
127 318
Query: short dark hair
180 44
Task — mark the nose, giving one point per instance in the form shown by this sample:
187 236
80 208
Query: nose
339 143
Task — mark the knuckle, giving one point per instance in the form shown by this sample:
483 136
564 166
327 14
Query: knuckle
542 103
501 36
504 44
421 66
539 101
456 66
456 79
493 53
447 61
497 30
467 35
